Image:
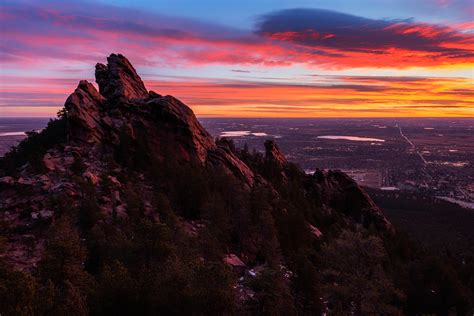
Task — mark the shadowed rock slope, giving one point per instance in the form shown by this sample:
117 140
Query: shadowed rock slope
127 193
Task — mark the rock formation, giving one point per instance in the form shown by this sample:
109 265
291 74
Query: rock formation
273 153
118 79
83 107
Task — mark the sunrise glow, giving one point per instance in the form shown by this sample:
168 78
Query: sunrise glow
260 62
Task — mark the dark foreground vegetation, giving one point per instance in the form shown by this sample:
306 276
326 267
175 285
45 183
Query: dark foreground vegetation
441 226
32 148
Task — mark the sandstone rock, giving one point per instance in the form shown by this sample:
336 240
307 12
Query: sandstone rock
225 157
48 162
121 211
115 181
7 180
54 161
118 79
92 178
338 191
128 111
23 181
273 153
116 196
174 122
46 214
153 94
314 230
234 261
66 187
83 108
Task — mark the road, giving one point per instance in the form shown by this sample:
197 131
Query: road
412 145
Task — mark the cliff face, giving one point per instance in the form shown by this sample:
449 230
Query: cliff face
123 130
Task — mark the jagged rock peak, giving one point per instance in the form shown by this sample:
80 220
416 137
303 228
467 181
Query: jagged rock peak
83 107
160 121
85 94
273 153
118 79
89 89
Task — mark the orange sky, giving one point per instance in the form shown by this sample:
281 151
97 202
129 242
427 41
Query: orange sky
337 96
360 97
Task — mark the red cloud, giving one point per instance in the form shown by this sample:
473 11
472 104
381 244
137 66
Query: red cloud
340 39
311 37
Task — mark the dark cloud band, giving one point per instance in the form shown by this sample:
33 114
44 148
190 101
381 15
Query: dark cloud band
340 32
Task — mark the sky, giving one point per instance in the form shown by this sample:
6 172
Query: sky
248 58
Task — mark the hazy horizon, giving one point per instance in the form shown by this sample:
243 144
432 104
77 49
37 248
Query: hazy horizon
290 117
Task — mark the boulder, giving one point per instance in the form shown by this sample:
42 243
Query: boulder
48 162
232 260
7 180
91 177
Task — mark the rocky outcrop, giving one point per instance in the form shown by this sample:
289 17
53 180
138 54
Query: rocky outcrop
118 79
125 110
83 110
162 124
335 190
273 153
332 190
174 123
223 155
233 260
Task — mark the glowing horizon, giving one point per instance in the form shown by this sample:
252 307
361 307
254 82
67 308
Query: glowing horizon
266 60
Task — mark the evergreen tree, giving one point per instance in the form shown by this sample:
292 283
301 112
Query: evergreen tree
354 277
